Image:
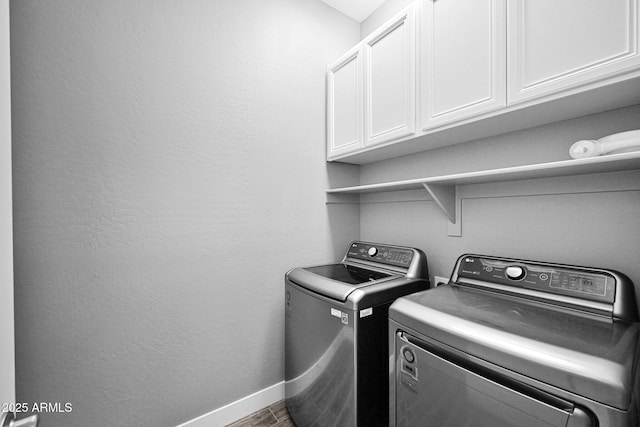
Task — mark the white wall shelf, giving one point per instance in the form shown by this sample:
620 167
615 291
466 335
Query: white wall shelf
444 189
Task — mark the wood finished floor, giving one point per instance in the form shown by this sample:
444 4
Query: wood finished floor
275 415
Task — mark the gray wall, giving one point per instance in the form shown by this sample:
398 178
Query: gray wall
168 169
381 15
598 228
524 220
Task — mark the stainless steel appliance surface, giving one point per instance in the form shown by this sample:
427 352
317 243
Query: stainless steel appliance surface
336 343
509 342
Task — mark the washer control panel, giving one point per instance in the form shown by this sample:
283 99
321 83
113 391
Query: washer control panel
564 280
391 255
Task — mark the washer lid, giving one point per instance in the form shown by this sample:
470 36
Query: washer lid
588 355
348 274
337 281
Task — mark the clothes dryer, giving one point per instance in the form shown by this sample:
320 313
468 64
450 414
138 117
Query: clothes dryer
515 343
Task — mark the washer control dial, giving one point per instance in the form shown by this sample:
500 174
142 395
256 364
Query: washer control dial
373 251
515 272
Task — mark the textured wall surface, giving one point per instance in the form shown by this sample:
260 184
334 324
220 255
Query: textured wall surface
379 16
597 229
168 170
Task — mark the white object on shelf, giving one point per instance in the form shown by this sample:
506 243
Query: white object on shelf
619 142
444 189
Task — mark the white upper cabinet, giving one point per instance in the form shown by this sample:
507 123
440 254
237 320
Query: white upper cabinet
463 53
344 104
558 45
443 72
390 80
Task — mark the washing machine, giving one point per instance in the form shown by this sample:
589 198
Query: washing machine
509 342
336 323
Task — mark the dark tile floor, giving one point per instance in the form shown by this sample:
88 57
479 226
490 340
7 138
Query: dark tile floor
275 415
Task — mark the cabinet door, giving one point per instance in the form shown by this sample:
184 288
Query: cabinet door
390 82
558 45
463 71
344 104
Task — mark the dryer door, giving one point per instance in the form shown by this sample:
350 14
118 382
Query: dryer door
435 389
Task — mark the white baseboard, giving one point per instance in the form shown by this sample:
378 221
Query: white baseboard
239 409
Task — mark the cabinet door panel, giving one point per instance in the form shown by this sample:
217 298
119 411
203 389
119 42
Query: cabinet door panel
390 80
344 104
386 83
557 45
463 59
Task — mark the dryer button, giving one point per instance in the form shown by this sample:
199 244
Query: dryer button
515 272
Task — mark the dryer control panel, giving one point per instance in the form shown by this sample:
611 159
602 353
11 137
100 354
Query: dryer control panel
589 284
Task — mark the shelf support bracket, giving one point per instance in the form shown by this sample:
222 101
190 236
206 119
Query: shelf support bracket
446 197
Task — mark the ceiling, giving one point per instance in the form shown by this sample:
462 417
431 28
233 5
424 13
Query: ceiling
356 9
